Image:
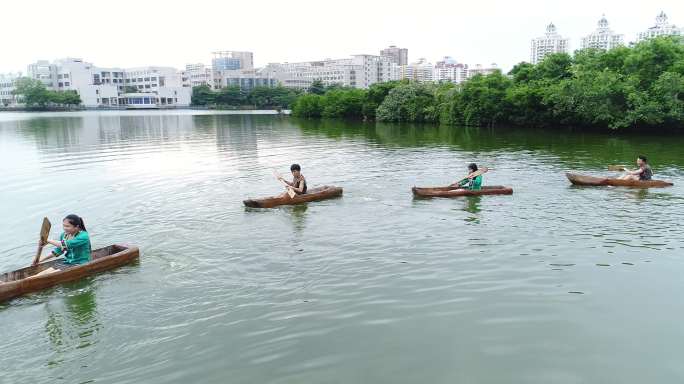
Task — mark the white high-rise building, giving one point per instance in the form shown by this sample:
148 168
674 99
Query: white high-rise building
359 71
603 37
449 70
550 43
421 71
661 28
232 60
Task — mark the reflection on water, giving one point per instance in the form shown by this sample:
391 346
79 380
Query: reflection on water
372 287
73 323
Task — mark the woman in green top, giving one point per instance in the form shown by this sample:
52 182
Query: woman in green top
73 243
471 182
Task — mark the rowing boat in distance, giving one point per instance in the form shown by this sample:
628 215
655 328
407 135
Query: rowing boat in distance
592 181
452 192
315 194
23 281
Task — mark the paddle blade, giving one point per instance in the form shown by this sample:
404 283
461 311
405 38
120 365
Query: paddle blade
618 168
45 229
44 232
291 193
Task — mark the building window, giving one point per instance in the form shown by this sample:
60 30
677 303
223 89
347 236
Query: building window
66 84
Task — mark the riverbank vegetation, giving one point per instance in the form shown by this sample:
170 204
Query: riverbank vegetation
234 97
36 97
638 88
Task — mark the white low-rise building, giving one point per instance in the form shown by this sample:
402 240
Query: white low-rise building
246 79
359 71
7 87
603 37
479 69
662 27
550 43
108 87
197 74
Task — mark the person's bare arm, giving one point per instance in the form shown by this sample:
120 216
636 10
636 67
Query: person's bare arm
299 189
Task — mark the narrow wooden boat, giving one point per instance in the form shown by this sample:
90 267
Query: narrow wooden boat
451 192
314 194
604 181
22 281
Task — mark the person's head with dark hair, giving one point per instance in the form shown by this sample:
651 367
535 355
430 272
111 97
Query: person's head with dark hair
73 224
472 167
296 170
641 159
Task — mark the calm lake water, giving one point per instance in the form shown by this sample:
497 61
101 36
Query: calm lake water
554 284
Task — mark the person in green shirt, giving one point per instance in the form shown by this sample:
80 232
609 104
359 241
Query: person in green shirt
73 243
472 182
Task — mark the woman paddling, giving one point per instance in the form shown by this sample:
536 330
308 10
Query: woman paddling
298 184
73 243
644 172
472 182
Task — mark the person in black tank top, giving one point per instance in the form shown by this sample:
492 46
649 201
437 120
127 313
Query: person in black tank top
643 173
298 183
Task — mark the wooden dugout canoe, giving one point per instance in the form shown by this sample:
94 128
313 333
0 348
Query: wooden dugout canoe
314 194
20 282
605 181
451 192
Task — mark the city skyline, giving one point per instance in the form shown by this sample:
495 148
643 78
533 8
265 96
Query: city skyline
497 33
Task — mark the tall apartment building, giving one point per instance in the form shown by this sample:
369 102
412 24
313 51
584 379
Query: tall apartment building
550 43
421 71
359 71
7 97
603 37
661 28
449 70
197 74
232 60
398 56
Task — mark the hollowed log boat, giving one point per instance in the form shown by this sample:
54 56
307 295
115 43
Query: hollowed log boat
22 281
604 181
314 194
453 192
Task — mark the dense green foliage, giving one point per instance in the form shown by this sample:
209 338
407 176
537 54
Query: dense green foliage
258 97
625 88
34 94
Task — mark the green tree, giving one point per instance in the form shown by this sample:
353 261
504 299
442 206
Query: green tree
32 92
202 95
308 105
317 87
411 102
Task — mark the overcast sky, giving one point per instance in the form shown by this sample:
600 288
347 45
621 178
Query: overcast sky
128 33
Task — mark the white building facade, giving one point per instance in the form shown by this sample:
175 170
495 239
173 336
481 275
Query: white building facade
111 87
421 71
359 71
7 97
603 37
662 27
550 43
197 74
449 70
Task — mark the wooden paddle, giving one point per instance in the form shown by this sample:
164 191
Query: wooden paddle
620 168
44 232
477 173
290 192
